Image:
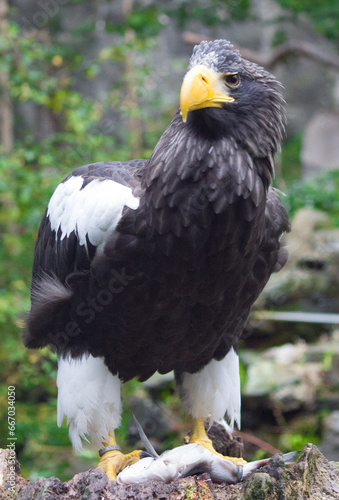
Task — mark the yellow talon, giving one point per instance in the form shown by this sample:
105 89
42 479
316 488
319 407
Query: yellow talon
198 435
114 461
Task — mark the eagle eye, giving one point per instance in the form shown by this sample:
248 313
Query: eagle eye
232 80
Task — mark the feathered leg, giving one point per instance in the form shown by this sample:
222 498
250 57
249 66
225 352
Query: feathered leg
89 396
210 394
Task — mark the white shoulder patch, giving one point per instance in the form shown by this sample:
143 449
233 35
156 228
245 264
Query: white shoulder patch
94 210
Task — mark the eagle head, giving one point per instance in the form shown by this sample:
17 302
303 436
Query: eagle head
225 95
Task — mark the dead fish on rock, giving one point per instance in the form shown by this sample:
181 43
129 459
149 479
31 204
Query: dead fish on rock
190 459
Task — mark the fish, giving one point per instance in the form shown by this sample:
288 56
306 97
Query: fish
181 462
187 460
191 459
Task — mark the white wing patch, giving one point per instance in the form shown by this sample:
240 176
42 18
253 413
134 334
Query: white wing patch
94 210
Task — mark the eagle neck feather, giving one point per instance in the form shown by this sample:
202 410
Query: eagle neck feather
221 163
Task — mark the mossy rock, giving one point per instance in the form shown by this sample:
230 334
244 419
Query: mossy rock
312 477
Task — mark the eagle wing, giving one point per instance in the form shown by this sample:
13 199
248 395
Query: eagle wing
274 251
84 209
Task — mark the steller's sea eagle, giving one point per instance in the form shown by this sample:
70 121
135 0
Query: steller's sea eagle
153 265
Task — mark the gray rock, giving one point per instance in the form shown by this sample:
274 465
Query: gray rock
320 150
330 444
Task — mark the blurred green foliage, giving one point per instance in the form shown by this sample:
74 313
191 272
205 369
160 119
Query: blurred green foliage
323 14
211 13
320 193
44 73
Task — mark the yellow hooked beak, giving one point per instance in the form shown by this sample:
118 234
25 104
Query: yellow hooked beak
202 88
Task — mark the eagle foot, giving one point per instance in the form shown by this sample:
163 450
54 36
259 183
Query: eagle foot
207 443
198 435
112 462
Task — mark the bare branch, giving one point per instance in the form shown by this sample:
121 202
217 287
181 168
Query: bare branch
264 445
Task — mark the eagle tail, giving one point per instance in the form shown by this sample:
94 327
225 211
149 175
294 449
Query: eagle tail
47 320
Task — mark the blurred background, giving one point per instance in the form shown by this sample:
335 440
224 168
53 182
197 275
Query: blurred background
85 81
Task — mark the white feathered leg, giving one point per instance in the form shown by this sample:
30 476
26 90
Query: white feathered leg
214 391
210 394
89 397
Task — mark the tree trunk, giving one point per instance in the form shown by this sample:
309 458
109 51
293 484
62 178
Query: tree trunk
134 122
6 115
